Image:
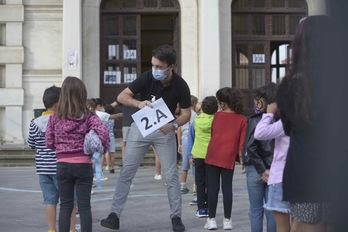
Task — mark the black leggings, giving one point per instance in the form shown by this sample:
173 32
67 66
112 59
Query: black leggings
213 177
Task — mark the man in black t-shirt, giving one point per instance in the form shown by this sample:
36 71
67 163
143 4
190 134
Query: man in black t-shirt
160 82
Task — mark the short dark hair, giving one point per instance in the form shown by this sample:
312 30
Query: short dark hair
165 53
98 101
109 109
210 105
51 96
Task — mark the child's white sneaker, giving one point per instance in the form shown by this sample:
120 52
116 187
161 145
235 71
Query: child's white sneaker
211 224
227 224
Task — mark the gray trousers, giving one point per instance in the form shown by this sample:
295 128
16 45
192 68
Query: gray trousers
136 148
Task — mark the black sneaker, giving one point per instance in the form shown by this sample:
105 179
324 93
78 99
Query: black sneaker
112 170
111 222
177 224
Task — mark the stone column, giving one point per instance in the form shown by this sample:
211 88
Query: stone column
225 43
11 62
209 47
72 38
189 41
316 7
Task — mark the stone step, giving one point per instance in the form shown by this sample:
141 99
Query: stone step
22 156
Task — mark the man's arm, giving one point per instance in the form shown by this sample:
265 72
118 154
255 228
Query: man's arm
126 98
181 120
184 116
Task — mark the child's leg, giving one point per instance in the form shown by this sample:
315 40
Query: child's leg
112 160
183 180
107 159
282 221
226 186
112 150
213 179
73 219
185 166
49 188
157 163
66 187
51 216
201 183
84 178
98 168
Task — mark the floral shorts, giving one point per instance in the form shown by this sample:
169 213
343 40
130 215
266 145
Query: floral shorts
311 212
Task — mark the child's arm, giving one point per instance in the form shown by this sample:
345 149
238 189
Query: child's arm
116 116
101 129
49 134
114 104
254 155
33 132
265 130
190 140
179 140
242 140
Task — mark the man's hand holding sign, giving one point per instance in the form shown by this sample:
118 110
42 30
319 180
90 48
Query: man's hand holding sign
153 116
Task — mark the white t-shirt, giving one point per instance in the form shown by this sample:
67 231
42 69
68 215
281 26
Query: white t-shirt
103 116
185 127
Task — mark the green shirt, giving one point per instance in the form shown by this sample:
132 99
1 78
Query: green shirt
202 127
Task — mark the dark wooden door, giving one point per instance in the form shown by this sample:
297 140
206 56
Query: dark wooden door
130 30
260 28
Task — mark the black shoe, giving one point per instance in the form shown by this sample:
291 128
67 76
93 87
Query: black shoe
111 222
177 224
112 170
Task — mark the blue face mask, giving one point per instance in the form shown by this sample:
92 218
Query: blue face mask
257 109
159 74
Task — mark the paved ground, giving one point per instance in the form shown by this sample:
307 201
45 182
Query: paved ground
147 207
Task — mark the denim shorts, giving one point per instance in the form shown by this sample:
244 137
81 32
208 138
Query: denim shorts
112 146
49 188
275 202
185 160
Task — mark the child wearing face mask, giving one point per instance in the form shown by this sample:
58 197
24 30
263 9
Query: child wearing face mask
257 158
224 149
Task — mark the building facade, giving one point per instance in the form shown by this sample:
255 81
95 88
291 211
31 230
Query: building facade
107 43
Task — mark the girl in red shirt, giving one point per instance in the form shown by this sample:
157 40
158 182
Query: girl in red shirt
224 149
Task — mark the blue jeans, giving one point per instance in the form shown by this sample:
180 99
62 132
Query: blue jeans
97 169
73 176
258 195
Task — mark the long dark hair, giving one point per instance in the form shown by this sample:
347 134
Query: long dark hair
72 99
313 52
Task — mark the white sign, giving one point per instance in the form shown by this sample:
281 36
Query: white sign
129 54
72 59
258 58
150 119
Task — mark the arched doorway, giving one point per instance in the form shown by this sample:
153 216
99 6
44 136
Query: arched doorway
261 33
129 31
